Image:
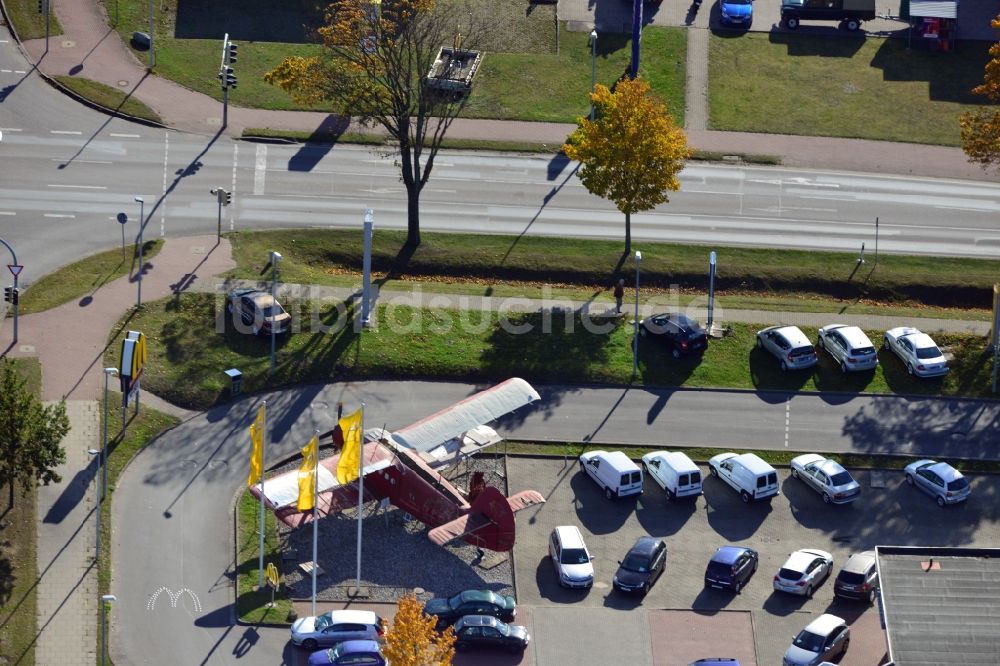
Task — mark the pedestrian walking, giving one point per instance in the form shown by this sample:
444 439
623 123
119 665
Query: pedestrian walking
619 295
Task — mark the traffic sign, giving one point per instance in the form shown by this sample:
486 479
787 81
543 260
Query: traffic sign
15 269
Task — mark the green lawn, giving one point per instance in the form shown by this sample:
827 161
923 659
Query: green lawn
871 88
251 603
321 256
109 98
28 21
83 278
188 353
18 556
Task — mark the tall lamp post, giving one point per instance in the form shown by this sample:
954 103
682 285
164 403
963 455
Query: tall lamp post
108 372
635 349
152 58
593 68
275 258
105 600
142 223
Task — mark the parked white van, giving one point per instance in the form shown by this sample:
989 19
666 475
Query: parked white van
674 472
750 476
570 557
614 472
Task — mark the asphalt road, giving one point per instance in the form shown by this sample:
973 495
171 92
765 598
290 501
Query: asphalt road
173 506
68 171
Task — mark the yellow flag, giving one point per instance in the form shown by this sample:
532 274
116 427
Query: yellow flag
256 455
350 455
257 452
307 475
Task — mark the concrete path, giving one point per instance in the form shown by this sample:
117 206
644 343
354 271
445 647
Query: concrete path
67 531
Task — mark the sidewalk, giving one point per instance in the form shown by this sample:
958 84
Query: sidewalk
91 49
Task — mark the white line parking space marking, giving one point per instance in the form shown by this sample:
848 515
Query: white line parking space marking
788 418
75 132
82 187
124 136
260 169
58 215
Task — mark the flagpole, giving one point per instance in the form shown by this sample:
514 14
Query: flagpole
315 520
263 456
361 495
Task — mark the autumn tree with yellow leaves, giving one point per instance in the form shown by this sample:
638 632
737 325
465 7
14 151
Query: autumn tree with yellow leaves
373 66
412 639
631 152
981 129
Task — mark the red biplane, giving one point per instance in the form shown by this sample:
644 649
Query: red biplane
404 467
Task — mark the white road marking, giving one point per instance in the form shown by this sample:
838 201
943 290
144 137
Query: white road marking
232 188
82 187
163 207
58 215
59 159
20 71
7 212
76 132
124 136
260 169
6 71
11 129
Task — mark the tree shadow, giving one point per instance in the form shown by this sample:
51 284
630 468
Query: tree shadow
250 20
949 78
321 142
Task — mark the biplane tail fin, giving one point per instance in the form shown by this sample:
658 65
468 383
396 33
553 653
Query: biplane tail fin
489 523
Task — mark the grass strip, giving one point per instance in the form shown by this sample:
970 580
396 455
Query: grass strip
192 340
312 256
18 556
28 22
82 279
109 98
572 451
252 603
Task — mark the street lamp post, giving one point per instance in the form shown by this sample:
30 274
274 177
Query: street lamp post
152 58
108 372
593 68
105 600
97 504
142 223
635 348
275 258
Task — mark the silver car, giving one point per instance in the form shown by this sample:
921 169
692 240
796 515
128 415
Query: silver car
803 572
826 637
849 346
827 477
789 345
939 480
334 627
917 351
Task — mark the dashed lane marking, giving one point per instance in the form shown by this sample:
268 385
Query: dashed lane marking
75 132
81 187
59 215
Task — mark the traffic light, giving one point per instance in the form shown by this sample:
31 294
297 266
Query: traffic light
230 80
229 198
13 295
41 6
231 53
8 294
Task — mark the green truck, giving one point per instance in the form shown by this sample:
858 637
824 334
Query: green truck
849 12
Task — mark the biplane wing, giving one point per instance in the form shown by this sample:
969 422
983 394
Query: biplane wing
460 430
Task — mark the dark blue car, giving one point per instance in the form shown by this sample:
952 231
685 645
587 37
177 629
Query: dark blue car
356 653
731 568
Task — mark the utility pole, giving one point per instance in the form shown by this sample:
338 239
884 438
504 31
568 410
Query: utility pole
11 294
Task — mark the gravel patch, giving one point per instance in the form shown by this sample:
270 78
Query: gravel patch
397 557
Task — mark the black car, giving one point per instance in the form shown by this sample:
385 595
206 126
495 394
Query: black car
483 631
681 334
731 567
471 602
642 565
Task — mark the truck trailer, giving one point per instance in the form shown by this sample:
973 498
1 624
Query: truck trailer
849 12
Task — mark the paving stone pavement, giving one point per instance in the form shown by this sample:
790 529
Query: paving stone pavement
67 584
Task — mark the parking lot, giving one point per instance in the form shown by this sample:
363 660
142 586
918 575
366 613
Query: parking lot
680 620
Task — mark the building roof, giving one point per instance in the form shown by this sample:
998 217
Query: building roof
934 8
940 605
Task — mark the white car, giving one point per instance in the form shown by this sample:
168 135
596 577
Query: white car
849 346
674 472
803 572
939 480
917 351
827 477
789 345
